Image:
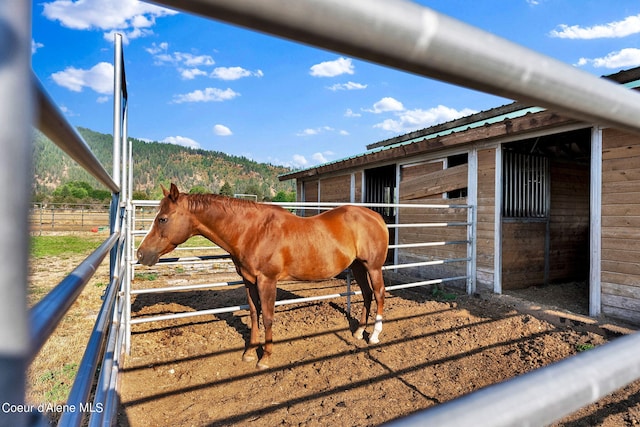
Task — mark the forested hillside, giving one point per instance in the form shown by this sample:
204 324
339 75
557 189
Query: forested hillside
156 163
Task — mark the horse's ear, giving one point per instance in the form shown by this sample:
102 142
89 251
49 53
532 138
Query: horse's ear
174 193
164 190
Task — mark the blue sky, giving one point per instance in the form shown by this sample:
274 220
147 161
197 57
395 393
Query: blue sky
210 85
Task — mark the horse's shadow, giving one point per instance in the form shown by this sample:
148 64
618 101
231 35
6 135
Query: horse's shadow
197 300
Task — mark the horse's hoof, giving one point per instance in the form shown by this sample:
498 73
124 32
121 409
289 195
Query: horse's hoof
248 358
262 366
358 334
374 340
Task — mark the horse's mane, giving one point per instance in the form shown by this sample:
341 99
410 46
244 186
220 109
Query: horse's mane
201 202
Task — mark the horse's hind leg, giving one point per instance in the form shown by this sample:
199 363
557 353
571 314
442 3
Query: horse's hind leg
377 283
253 298
360 274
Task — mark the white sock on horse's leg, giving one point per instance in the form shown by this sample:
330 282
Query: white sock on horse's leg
377 328
358 333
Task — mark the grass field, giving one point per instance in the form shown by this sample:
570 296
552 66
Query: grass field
52 372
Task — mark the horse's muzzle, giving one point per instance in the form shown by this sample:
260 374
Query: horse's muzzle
147 258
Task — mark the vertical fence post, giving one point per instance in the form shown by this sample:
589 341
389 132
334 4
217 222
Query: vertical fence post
16 117
472 201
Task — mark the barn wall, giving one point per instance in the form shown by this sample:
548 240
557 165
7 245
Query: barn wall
569 222
311 188
335 189
620 278
523 246
485 230
427 182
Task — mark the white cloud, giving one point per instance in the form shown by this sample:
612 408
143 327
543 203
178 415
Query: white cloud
181 140
99 78
222 130
628 26
308 132
319 130
191 73
350 113
234 73
132 17
409 120
102 99
67 111
386 104
322 157
208 95
347 86
333 68
155 49
299 161
191 60
35 46
629 57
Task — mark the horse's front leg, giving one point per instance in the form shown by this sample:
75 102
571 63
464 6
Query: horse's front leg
250 351
267 292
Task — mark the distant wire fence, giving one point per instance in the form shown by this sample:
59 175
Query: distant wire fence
53 217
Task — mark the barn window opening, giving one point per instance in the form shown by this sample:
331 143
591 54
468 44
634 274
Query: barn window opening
525 185
452 161
380 187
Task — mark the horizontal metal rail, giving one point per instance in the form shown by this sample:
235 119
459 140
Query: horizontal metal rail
45 316
315 205
427 244
413 38
424 263
543 396
186 287
429 224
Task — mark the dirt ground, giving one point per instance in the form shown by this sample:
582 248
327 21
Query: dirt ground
189 372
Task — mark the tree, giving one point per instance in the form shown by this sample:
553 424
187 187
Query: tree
198 189
253 189
226 190
285 196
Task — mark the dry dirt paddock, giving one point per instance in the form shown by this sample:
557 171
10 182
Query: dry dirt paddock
189 372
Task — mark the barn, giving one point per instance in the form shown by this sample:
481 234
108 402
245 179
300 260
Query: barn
555 199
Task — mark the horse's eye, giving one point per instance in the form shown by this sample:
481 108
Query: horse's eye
163 220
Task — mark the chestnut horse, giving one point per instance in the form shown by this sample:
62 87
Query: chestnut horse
268 243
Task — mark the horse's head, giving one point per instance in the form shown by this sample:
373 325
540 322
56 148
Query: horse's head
171 227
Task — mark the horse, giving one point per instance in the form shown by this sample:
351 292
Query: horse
268 243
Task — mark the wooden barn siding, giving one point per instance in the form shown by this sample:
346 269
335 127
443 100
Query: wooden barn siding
310 195
523 241
423 183
569 227
357 196
485 217
620 280
522 253
335 189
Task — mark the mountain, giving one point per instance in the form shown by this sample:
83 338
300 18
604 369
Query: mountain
156 163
